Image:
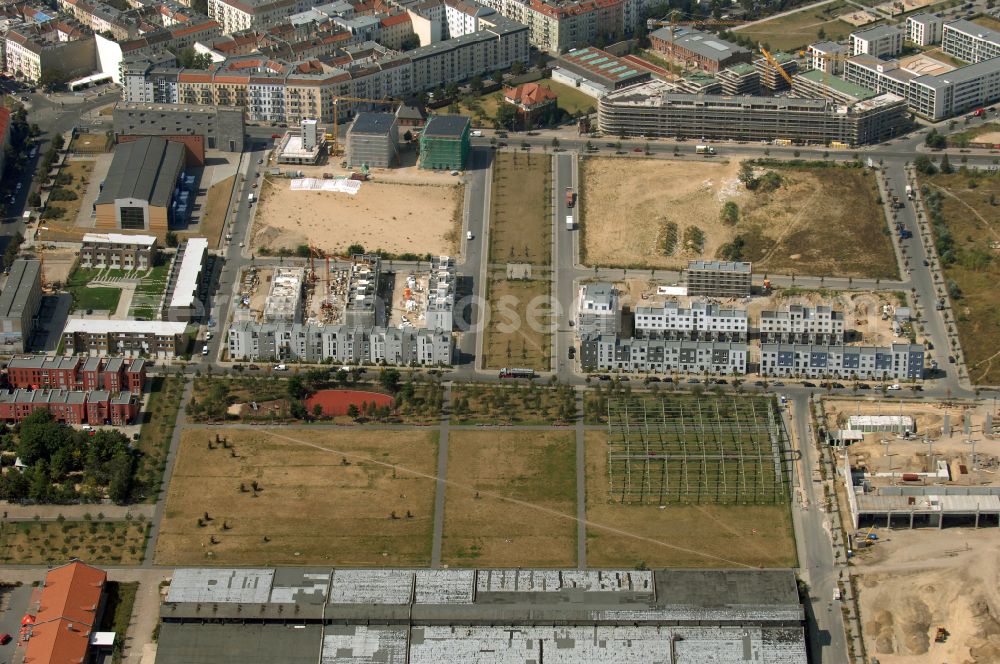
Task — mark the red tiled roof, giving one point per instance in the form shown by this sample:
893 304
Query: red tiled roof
396 20
67 611
529 94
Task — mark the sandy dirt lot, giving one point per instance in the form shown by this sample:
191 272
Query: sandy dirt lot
511 499
915 581
795 228
397 212
311 508
697 536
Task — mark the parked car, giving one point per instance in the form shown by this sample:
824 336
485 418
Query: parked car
204 349
808 384
864 386
894 387
5 639
693 381
253 367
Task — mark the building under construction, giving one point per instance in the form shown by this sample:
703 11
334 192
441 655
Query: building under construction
365 306
697 450
445 142
284 297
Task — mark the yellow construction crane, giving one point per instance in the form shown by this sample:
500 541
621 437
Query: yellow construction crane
334 147
774 63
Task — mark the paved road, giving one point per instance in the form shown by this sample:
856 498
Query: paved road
564 260
472 269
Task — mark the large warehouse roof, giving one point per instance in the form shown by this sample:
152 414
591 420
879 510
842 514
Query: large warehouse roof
143 170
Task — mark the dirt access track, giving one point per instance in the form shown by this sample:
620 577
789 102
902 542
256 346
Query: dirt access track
914 581
400 211
628 204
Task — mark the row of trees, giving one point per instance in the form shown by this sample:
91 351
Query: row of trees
67 465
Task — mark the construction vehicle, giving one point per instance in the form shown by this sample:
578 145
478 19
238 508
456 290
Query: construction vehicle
704 149
777 65
909 192
333 143
570 197
942 635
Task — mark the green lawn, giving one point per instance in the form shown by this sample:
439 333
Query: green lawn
800 29
570 99
99 298
145 302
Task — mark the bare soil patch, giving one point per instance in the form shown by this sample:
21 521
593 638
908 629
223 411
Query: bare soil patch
797 228
392 216
698 536
511 499
914 581
310 508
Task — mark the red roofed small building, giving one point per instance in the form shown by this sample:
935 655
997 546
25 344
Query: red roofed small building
68 611
531 100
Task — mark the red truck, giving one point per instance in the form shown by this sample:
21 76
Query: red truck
570 197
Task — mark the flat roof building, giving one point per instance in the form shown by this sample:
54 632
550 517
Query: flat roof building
970 41
441 294
118 251
924 29
125 337
221 127
373 140
704 50
597 72
719 278
183 301
598 309
19 303
881 41
445 142
141 186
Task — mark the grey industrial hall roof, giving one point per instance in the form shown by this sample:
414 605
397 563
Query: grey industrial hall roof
144 170
379 124
195 643
23 273
449 126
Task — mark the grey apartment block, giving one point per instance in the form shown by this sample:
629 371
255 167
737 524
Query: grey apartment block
19 303
718 278
314 343
609 352
372 140
598 310
223 127
970 41
898 362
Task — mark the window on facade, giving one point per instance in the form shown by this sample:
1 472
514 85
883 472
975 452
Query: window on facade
132 218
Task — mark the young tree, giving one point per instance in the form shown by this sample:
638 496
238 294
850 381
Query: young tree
730 213
353 412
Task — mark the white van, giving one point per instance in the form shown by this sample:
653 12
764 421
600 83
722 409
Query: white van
477 133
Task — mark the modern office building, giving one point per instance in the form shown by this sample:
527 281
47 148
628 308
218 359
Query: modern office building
221 128
184 296
598 309
610 352
652 110
116 251
828 57
19 303
373 140
141 186
970 41
702 50
924 29
898 362
125 337
113 374
718 278
882 41
315 342
800 324
702 321
445 142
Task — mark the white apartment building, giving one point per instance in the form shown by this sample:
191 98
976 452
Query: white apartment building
598 309
703 321
441 294
801 324
828 56
970 41
237 15
465 17
882 41
924 29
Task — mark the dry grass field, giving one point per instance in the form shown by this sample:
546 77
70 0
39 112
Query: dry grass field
325 497
521 214
698 536
802 28
518 330
974 226
487 473
213 217
62 225
797 228
395 217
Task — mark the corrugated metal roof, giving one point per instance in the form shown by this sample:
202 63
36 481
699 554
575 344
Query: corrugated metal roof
145 169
